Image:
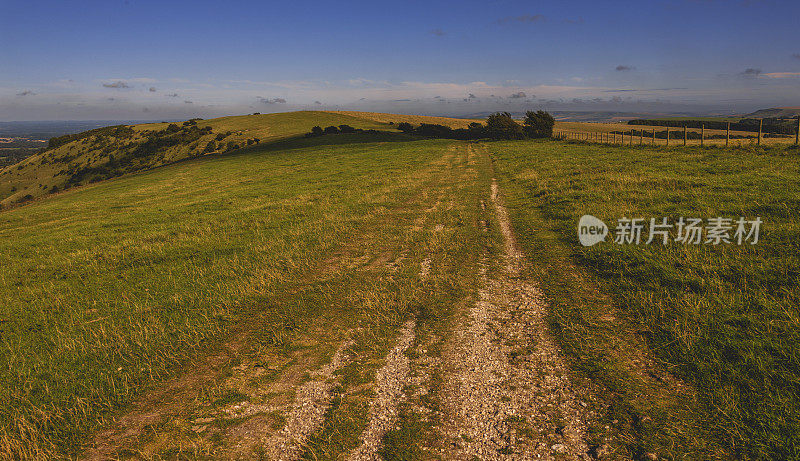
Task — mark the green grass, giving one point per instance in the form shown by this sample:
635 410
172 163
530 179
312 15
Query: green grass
446 232
106 289
723 317
38 174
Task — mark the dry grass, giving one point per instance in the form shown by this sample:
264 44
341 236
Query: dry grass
107 289
413 119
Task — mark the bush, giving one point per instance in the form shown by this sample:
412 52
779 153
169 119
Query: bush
405 127
317 131
476 131
539 124
500 125
434 131
331 130
346 129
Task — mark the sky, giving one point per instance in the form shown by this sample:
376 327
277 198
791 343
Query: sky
150 60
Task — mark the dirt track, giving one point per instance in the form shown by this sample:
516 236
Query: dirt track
505 390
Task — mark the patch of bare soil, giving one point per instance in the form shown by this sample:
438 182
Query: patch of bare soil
307 413
157 406
508 393
271 417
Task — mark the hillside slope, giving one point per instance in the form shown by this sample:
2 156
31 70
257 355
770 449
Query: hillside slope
113 151
775 112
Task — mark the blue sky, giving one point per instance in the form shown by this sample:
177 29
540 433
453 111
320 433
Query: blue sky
150 60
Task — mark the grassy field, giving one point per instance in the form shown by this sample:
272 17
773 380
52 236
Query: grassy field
262 262
106 155
723 317
106 289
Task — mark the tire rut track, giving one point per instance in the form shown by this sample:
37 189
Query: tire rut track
307 413
389 382
508 393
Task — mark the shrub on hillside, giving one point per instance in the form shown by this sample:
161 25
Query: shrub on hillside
331 130
434 131
346 129
539 124
500 125
405 127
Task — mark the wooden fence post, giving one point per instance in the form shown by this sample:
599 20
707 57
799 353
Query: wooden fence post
654 137
684 135
667 136
760 124
797 133
702 134
641 137
728 135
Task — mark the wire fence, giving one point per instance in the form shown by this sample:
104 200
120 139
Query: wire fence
669 136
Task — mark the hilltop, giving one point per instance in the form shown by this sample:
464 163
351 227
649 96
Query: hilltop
775 112
102 153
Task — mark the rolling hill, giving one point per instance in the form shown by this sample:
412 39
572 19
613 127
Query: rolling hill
113 151
377 294
775 112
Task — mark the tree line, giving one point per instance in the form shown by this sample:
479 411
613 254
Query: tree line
498 126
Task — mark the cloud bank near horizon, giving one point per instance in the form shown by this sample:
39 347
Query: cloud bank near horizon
152 98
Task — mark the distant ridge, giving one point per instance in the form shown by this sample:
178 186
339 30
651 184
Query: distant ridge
588 116
775 112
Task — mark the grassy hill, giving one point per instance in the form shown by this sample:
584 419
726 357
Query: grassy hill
775 112
276 253
106 288
108 152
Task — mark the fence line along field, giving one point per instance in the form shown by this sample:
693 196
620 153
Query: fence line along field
625 134
193 295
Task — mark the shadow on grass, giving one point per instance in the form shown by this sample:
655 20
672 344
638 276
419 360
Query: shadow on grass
301 142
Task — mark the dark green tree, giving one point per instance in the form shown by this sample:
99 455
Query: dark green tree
405 127
317 131
500 125
539 124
